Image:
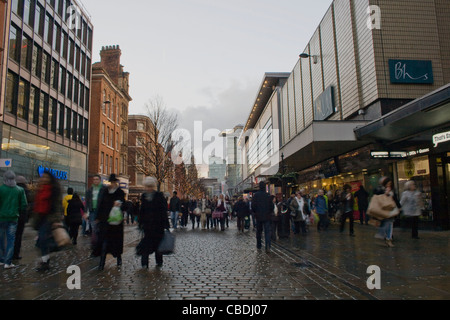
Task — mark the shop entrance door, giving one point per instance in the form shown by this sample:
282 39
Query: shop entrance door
447 187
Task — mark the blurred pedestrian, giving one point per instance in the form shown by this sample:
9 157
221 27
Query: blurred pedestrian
386 229
363 203
65 202
347 201
110 236
175 208
242 210
47 210
275 217
12 202
298 207
184 207
92 205
221 207
321 207
153 220
263 207
285 218
75 216
412 204
23 217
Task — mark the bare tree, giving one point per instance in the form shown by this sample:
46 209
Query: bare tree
152 155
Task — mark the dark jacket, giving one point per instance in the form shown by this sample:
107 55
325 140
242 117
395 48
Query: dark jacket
363 198
153 220
262 206
74 211
175 204
242 209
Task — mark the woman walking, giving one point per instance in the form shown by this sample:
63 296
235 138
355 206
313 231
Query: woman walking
241 210
153 220
221 207
48 211
110 236
412 205
75 213
386 229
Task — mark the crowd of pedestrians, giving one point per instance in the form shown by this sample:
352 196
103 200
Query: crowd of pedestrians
273 216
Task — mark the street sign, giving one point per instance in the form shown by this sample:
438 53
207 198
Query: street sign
5 163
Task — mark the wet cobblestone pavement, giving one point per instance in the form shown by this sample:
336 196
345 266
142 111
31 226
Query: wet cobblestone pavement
214 265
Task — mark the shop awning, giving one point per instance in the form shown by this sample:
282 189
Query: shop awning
321 141
419 116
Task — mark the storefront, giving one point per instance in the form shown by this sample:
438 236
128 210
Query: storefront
32 155
417 135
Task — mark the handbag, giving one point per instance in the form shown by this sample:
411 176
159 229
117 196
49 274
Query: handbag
217 214
382 207
115 216
167 244
60 235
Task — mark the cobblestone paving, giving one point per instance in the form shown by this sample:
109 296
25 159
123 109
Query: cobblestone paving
215 265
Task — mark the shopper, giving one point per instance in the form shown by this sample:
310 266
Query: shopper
242 210
110 236
263 207
347 200
412 204
175 208
23 217
92 205
221 207
12 201
75 216
386 229
275 217
363 202
153 220
47 210
297 208
321 207
65 202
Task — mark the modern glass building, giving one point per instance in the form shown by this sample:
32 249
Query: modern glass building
45 117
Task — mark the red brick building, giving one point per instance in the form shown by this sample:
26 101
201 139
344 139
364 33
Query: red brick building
108 145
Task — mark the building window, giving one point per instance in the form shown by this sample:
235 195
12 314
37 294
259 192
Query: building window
46 67
14 44
53 116
86 132
67 123
61 120
74 126
34 106
43 110
11 92
36 67
26 52
140 126
39 20
23 99
48 29
28 9
103 133
102 161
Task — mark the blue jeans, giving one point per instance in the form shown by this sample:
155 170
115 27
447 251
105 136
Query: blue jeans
386 229
267 227
7 238
174 217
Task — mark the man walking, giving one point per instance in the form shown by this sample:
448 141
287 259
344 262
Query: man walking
12 202
91 205
263 207
174 208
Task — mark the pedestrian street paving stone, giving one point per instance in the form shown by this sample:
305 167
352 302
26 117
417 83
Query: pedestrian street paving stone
215 265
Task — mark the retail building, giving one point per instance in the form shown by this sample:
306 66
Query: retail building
46 103
372 78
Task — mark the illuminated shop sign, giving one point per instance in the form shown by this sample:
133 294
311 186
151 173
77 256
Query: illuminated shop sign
397 154
441 138
58 174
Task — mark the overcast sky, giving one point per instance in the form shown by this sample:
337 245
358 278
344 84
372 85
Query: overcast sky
205 58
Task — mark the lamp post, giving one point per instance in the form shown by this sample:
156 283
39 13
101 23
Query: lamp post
306 56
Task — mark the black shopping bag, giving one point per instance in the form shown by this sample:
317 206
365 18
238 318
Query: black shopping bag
167 245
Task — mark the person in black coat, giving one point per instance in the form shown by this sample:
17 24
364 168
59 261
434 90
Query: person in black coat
75 213
153 220
110 237
263 208
363 203
242 210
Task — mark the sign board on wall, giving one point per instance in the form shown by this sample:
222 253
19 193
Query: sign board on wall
411 71
5 163
324 105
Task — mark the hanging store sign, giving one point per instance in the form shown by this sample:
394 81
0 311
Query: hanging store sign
397 154
411 71
441 138
324 105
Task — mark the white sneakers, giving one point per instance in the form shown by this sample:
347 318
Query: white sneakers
8 266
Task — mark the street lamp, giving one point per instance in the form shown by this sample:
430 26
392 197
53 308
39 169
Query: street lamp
306 56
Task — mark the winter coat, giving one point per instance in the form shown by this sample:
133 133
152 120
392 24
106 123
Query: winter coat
12 202
75 210
411 202
242 209
262 206
175 204
153 220
321 205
